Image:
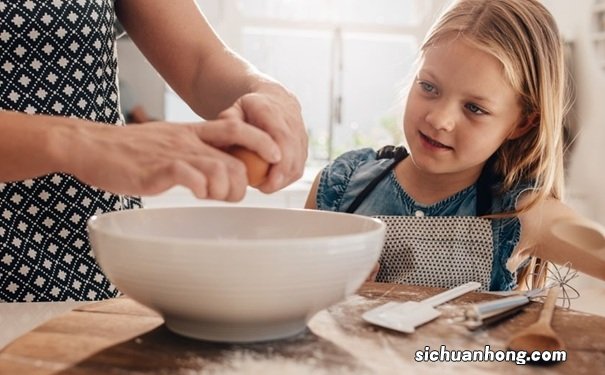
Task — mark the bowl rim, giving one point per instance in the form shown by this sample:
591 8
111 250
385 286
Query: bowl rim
93 224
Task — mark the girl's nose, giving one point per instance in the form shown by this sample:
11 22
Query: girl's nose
441 117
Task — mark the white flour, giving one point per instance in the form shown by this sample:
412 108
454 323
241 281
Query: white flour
242 362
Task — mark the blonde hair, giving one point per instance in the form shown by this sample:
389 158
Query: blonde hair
524 37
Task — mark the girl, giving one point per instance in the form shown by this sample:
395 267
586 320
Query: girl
480 191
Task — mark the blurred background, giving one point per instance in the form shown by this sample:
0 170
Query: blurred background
349 62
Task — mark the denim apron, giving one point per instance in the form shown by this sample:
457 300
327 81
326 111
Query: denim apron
443 251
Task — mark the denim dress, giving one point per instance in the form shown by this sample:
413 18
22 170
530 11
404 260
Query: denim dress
443 244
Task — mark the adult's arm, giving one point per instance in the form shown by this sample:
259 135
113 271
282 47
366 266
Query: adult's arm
214 81
139 160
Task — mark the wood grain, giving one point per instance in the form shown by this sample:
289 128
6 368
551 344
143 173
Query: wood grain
122 337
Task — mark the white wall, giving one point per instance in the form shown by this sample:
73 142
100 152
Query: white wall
146 85
586 173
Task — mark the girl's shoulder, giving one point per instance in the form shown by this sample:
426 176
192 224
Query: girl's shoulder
356 167
507 201
350 161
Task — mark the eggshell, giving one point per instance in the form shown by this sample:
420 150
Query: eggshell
256 167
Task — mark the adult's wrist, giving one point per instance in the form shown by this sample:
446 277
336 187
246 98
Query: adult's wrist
64 140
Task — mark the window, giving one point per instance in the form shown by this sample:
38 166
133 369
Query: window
346 60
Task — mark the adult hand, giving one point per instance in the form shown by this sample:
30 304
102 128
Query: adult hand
214 81
150 158
277 112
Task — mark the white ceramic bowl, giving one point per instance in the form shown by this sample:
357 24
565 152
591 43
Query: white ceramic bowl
236 274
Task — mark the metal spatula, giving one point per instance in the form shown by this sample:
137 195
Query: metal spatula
406 316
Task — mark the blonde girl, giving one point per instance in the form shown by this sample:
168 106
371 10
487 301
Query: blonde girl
478 192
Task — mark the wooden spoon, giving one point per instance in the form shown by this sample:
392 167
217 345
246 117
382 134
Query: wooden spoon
540 335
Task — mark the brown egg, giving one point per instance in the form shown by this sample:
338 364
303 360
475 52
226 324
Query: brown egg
256 167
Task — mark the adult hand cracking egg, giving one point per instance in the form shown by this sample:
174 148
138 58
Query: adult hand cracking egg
257 168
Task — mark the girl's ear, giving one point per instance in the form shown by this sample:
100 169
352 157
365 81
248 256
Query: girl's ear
524 126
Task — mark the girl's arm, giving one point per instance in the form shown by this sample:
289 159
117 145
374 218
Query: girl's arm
311 202
215 82
555 232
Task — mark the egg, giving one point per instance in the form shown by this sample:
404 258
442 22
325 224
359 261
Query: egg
256 167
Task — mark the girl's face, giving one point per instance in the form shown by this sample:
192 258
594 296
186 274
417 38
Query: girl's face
459 111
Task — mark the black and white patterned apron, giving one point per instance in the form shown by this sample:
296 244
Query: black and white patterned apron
443 251
57 57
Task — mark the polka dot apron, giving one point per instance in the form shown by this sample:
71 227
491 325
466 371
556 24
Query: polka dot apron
56 58
443 251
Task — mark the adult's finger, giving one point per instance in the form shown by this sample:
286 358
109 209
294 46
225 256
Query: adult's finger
227 132
226 177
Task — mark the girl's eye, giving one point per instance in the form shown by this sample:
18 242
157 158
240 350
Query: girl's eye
474 109
427 87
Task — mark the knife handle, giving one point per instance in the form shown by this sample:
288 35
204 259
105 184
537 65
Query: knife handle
482 322
449 295
487 308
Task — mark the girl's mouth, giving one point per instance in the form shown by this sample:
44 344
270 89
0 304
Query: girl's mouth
433 143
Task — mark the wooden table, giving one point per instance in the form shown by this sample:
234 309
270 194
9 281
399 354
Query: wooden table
123 337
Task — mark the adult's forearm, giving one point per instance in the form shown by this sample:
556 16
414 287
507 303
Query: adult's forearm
224 77
220 79
32 145
178 41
